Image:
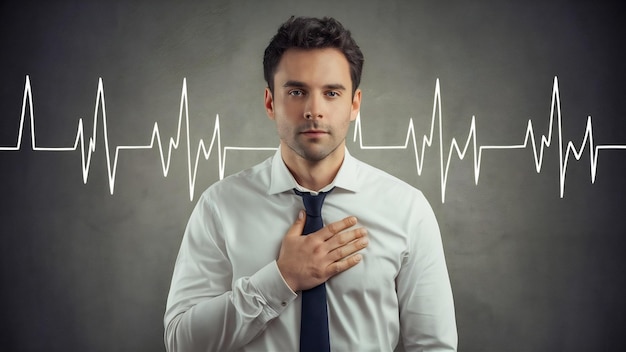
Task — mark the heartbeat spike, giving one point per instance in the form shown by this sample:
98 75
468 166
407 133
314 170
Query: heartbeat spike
88 147
566 149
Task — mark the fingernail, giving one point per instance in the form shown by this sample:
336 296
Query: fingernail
301 215
357 258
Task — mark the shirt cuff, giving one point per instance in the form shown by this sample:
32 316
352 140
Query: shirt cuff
272 286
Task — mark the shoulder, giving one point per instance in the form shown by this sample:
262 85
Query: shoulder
241 184
389 195
371 177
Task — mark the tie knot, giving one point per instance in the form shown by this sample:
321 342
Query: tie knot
313 203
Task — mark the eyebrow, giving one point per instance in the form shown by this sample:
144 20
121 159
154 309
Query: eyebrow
298 84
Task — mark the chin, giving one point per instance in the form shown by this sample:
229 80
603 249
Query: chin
313 152
314 156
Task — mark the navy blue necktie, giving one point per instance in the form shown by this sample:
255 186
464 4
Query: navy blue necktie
314 321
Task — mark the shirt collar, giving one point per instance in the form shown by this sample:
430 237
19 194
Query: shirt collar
282 180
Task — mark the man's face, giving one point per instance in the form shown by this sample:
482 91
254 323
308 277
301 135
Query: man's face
312 103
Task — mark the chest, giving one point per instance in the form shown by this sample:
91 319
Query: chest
253 239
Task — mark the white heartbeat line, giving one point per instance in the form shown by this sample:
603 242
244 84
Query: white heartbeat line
427 140
174 142
529 138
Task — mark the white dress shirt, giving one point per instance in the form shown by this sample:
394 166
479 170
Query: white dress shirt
228 294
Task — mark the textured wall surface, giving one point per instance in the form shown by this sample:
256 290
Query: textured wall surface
536 258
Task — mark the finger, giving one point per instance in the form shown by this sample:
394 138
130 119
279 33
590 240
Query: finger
343 238
338 226
349 248
343 265
298 225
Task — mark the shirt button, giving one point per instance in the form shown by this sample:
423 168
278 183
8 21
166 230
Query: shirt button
283 303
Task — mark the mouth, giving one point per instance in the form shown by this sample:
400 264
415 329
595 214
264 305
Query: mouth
314 133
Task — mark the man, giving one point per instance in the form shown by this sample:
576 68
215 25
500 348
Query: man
245 272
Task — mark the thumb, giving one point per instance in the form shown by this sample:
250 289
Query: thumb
298 225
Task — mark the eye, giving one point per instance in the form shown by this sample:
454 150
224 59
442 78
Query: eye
296 93
332 94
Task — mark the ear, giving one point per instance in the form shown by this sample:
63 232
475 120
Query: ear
269 104
356 105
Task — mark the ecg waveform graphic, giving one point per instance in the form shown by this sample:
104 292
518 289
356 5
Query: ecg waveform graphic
87 145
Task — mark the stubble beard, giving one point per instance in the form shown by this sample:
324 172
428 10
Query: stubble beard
314 150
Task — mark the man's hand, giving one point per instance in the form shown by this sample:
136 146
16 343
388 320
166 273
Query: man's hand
307 261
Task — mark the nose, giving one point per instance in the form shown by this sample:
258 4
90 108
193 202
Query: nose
313 108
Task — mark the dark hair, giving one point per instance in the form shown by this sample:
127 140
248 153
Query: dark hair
312 33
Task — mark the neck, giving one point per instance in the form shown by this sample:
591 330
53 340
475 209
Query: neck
314 175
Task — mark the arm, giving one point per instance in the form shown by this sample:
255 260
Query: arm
427 316
206 310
